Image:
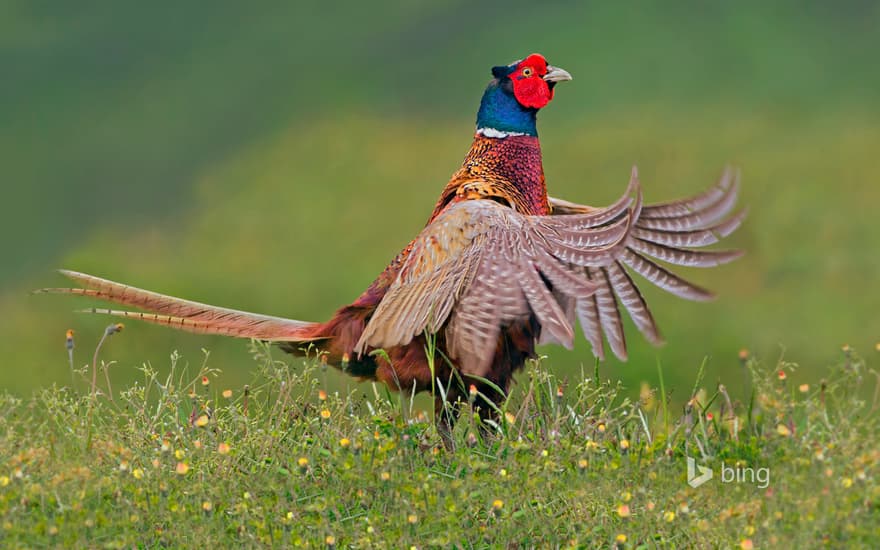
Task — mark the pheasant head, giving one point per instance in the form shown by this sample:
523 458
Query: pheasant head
515 94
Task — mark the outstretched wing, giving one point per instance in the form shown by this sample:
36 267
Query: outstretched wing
480 266
671 232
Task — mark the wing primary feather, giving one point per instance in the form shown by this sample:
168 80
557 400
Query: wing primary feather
688 237
545 306
609 315
685 257
727 184
665 279
588 314
563 278
631 297
603 215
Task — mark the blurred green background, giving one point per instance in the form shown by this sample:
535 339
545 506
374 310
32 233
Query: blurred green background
274 156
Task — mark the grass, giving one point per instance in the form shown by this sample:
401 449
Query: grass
180 460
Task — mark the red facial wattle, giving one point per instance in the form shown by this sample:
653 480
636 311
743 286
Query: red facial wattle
529 86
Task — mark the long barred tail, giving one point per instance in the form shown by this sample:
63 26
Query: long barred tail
185 315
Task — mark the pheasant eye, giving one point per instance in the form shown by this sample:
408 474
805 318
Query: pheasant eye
527 72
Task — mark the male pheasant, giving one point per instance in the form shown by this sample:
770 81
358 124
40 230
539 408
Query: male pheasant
499 267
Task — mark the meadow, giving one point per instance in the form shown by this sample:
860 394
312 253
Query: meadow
180 459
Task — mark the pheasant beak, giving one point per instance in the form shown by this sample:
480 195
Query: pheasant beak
555 74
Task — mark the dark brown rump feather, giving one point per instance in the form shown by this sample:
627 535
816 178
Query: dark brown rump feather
338 336
409 366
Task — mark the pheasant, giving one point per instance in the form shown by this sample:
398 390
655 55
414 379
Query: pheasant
499 268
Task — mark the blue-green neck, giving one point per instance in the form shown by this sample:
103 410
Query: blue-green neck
501 111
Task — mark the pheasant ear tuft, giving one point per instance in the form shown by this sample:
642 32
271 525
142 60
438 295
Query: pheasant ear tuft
501 71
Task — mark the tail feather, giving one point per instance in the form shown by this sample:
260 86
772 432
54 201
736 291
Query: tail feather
186 315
